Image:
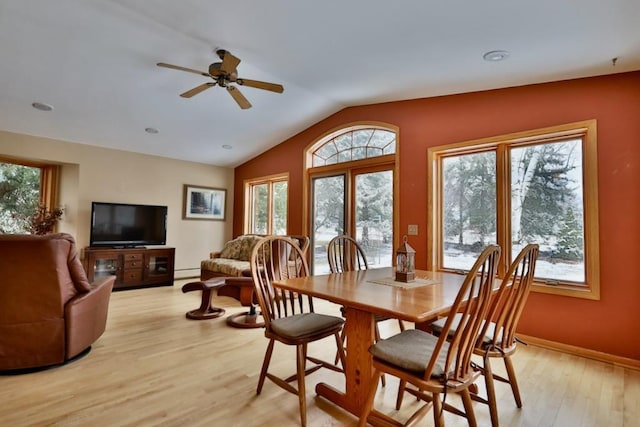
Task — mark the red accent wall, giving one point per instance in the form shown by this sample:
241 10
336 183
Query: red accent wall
610 325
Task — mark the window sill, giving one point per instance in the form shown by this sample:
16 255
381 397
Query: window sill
567 291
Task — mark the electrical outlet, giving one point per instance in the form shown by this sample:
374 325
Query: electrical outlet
412 230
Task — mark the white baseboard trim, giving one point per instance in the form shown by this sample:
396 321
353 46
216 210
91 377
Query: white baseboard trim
186 273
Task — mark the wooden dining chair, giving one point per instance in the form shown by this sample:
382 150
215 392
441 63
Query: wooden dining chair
434 365
345 254
498 334
289 317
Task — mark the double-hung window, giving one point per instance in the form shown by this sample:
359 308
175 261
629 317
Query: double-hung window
532 187
266 205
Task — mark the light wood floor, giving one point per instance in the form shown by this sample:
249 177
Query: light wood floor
153 367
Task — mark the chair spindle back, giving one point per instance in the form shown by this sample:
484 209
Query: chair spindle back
276 258
471 304
345 254
510 299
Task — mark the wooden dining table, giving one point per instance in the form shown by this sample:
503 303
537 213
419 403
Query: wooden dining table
366 293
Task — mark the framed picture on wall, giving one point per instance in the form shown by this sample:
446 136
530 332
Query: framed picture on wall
204 203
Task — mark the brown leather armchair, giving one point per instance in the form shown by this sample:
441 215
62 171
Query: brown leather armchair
49 312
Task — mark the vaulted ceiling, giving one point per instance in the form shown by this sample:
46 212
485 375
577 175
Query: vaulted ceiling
94 61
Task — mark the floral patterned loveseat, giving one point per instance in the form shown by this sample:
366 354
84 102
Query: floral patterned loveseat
233 259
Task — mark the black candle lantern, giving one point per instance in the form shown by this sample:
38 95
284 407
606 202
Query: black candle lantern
405 262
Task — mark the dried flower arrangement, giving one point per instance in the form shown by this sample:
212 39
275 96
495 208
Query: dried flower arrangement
43 220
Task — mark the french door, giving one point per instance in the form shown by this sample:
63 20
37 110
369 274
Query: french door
357 202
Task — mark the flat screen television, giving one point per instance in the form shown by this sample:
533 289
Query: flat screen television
127 225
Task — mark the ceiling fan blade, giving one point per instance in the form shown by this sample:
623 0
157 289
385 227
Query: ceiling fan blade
177 67
229 63
196 90
215 69
273 87
239 97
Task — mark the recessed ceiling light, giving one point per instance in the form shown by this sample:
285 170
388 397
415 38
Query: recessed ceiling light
42 106
227 147
152 131
496 55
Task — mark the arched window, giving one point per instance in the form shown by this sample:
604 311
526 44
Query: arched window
353 145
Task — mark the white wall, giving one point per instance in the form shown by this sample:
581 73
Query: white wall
91 173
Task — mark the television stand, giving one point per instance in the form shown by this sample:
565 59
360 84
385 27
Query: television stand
134 267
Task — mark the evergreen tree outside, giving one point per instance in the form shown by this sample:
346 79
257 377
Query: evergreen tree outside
374 210
470 199
549 193
482 200
329 203
570 245
455 197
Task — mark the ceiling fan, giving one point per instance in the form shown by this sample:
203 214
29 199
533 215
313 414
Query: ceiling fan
223 74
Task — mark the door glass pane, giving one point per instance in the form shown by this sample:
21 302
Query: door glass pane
259 220
547 207
374 216
279 208
105 267
328 218
469 208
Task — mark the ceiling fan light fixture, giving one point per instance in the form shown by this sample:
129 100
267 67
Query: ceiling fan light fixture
225 74
496 55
